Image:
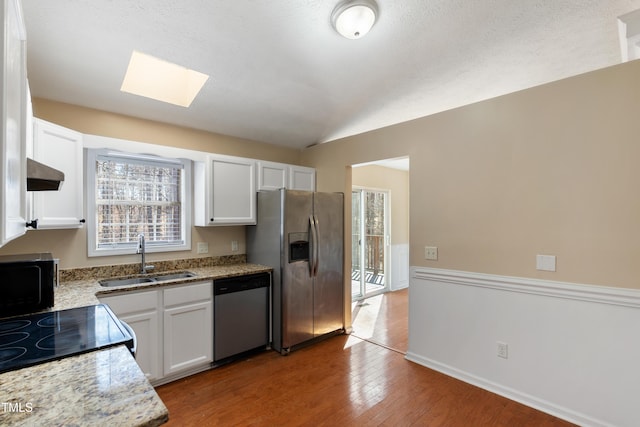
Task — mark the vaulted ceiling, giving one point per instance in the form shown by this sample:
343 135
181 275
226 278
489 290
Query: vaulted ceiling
279 73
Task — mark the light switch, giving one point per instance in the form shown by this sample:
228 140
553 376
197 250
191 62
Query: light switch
546 262
203 247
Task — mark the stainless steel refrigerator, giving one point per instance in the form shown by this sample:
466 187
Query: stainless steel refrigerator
301 235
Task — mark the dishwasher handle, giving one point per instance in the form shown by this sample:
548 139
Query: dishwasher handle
241 283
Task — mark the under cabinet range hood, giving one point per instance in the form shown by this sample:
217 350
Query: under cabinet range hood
41 177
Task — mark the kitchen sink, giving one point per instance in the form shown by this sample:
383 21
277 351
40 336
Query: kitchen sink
174 276
123 281
137 280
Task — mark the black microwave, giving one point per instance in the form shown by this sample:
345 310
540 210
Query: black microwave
27 283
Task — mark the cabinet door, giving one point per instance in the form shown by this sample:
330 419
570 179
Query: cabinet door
13 117
60 148
188 336
232 192
302 178
141 311
146 326
272 176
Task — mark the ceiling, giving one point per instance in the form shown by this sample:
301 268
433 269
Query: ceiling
400 163
281 74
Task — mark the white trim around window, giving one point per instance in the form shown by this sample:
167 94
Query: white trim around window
128 245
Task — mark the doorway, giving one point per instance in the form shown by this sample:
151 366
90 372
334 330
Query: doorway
386 183
369 242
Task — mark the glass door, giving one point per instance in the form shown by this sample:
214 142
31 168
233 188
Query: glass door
369 242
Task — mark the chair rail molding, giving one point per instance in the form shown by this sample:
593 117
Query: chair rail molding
573 349
581 292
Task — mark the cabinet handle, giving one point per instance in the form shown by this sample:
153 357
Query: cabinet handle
82 221
32 224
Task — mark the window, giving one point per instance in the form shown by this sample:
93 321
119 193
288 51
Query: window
130 194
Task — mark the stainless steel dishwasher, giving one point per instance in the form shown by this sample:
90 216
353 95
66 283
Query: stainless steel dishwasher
241 315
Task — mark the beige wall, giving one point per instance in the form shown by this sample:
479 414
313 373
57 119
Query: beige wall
95 122
70 246
397 182
549 170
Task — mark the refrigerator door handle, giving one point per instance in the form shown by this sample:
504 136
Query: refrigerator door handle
316 261
312 249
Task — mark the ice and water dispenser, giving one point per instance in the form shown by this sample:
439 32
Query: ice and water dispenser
298 247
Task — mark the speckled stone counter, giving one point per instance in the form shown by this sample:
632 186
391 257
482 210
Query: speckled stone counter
100 388
86 292
103 387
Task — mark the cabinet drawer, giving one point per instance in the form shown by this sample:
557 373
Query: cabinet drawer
188 293
132 302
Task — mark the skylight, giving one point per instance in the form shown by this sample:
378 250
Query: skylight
161 80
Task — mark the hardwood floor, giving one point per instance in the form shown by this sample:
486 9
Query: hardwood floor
343 380
383 319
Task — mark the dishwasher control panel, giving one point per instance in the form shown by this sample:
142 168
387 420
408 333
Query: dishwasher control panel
241 283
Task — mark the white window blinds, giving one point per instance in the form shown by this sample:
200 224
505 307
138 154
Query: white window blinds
138 194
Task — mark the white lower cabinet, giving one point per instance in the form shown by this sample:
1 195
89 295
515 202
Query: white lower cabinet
141 311
147 328
188 327
173 326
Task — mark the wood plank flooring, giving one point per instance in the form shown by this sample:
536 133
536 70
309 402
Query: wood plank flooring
343 380
383 319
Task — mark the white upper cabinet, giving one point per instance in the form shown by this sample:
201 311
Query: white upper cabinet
14 117
302 178
273 176
224 191
60 148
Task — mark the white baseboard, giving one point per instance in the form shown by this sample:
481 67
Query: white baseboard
509 393
574 349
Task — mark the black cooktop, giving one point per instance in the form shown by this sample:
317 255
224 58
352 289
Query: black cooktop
42 337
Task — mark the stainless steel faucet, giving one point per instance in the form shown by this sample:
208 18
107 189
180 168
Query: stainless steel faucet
144 268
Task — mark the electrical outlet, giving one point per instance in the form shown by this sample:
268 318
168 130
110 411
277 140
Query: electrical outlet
503 350
203 247
234 246
431 252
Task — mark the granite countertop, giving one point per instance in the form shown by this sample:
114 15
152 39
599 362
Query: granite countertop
100 388
82 292
104 387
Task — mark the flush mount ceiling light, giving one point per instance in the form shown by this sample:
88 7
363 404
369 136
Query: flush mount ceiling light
161 80
354 18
